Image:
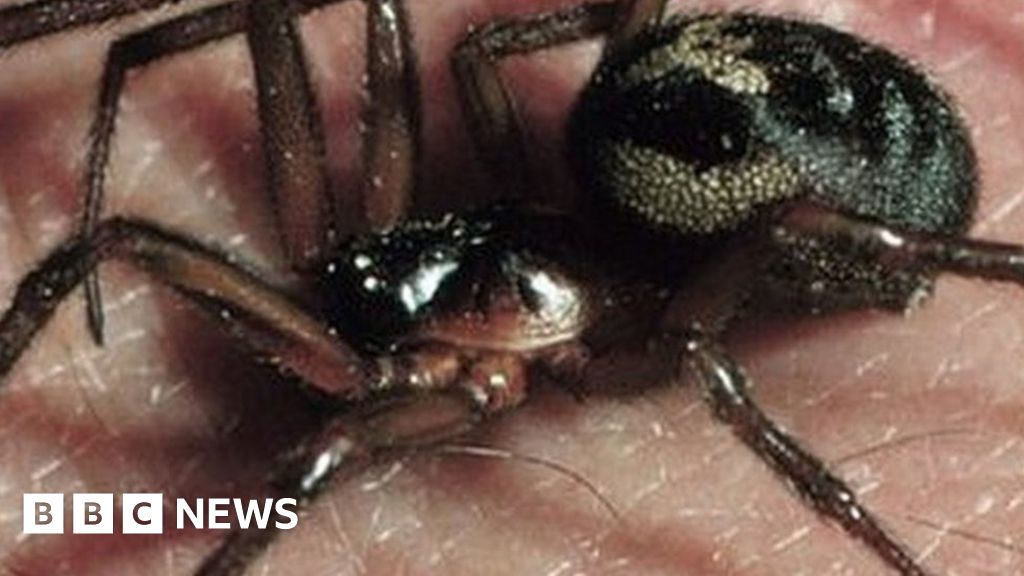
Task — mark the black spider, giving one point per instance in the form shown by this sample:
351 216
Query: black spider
762 161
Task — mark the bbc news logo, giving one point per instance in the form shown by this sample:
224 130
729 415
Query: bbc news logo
144 513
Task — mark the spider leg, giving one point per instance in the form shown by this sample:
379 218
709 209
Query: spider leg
903 249
633 16
486 102
23 22
277 328
290 123
487 105
440 395
392 116
725 390
429 396
342 448
292 136
134 51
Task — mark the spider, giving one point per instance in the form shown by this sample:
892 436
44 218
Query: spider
499 148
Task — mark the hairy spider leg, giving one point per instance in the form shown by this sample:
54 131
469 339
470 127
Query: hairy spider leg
725 390
701 311
433 398
292 136
632 17
345 446
897 248
391 147
275 326
23 22
290 124
487 105
725 384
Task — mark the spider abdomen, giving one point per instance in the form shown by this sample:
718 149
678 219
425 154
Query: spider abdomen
699 125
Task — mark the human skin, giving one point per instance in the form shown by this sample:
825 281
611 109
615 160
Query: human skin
921 414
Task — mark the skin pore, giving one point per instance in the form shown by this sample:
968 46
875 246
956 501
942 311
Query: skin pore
922 415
